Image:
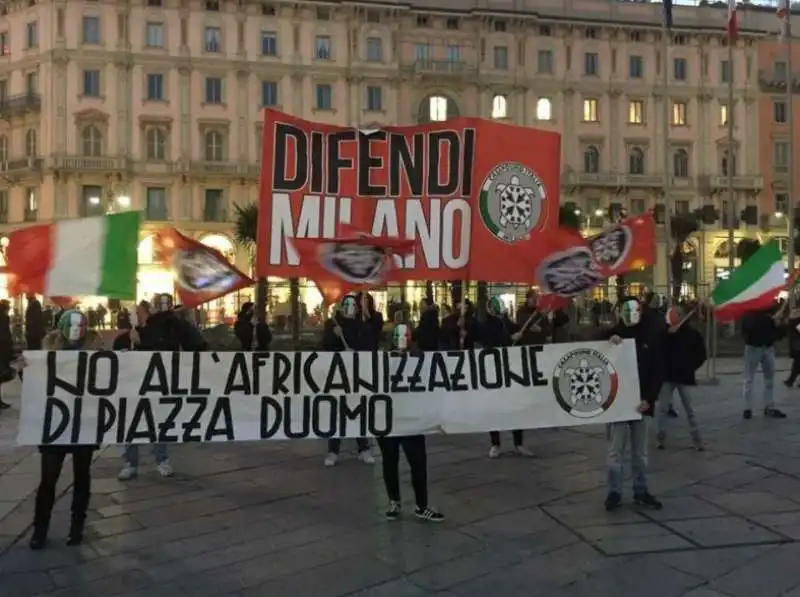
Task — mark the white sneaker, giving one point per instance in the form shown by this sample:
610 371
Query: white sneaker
366 457
331 458
164 469
494 452
523 451
127 473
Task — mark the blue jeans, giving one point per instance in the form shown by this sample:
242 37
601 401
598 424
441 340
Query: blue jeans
131 455
664 403
755 356
618 435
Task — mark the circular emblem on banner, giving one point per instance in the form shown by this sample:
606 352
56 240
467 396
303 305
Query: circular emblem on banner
611 248
511 202
585 383
568 273
354 262
198 270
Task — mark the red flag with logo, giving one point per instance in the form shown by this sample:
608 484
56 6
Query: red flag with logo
626 246
202 273
350 262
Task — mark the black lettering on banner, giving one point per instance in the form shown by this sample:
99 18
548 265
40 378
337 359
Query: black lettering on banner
168 425
473 368
367 163
142 413
355 414
415 379
52 407
297 372
308 375
290 172
189 427
259 360
270 424
238 376
537 378
406 156
320 427
489 374
106 419
512 377
365 361
448 143
195 389
221 413
336 380
457 378
439 378
281 370
175 388
387 419
93 386
400 361
155 377
317 171
54 382
336 162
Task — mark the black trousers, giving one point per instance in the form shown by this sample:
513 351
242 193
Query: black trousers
33 342
416 454
52 462
795 370
335 445
494 437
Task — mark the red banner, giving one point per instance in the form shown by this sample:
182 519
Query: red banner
472 194
201 273
626 246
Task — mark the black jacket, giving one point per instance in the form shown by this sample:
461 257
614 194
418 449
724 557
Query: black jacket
649 355
450 333
263 336
244 330
529 336
426 334
356 331
6 341
794 337
684 353
34 321
374 329
497 331
165 331
759 329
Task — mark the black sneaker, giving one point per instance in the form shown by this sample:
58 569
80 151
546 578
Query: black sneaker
647 500
429 514
774 413
788 383
748 414
393 511
613 501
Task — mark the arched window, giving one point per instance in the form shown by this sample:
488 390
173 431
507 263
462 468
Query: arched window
156 141
723 250
222 244
591 160
499 106
3 148
724 163
544 109
31 143
680 163
636 161
215 148
91 142
437 108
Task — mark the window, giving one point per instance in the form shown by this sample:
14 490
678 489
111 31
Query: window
32 82
591 64
590 110
154 3
781 203
499 106
373 16
635 67
3 90
156 144
590 33
636 161
725 71
544 109
779 111
374 49
501 57
5 49
437 108
724 164
453 53
269 43
31 205
323 13
31 144
32 35
214 146
637 206
3 148
422 52
591 160
451 23
723 114
324 97
269 93
780 156
679 113
213 40
682 207
780 69
679 68
154 35
635 36
213 90
91 83
213 207
322 47
422 21
500 26
91 142
544 62
374 98
155 87
544 31
92 201
91 30
156 203
4 206
212 5
679 40
680 163
636 112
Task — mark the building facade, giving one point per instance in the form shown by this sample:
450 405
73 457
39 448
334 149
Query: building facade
155 104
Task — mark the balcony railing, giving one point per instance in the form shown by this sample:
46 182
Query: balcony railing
22 165
742 183
214 168
156 214
19 105
85 163
773 80
456 68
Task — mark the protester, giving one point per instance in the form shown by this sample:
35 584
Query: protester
459 331
347 330
34 324
414 448
648 357
7 354
794 347
498 330
72 334
533 324
426 334
374 320
244 328
760 330
684 353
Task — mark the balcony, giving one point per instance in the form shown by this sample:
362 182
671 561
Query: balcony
644 181
214 168
22 165
770 80
441 68
19 105
88 164
740 183
592 179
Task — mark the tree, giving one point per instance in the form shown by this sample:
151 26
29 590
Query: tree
682 226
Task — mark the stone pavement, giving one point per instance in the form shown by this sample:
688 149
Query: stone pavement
261 519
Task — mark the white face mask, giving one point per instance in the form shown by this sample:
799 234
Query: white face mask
630 312
75 330
349 307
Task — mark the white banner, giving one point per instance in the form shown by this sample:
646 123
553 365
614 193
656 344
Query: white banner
104 397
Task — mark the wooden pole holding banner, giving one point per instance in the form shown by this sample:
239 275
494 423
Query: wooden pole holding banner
463 318
533 318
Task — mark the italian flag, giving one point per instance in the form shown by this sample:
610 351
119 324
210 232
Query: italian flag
753 286
83 257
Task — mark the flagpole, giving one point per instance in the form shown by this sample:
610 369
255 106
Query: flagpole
790 118
666 187
731 159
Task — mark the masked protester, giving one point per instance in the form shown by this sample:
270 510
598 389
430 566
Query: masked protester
72 334
648 356
373 319
426 334
459 331
497 331
347 330
244 328
538 328
414 448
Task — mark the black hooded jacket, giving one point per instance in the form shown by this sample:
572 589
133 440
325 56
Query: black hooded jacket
450 333
34 321
497 331
426 334
530 336
760 329
243 329
166 331
684 353
357 334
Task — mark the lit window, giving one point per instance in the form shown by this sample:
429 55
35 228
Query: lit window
438 108
590 110
544 109
723 114
499 106
679 113
636 112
